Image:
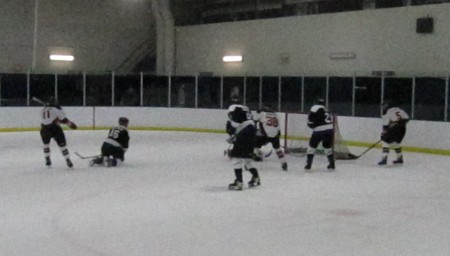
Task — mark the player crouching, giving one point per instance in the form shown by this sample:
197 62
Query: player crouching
243 132
114 147
268 132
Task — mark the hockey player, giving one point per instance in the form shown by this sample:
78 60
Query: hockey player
321 123
394 130
51 117
243 132
268 131
114 147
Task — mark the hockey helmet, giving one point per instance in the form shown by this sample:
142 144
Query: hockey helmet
320 101
52 101
123 121
267 109
387 104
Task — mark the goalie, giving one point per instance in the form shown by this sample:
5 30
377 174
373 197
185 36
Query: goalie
115 145
268 131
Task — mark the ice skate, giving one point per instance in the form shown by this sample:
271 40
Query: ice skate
331 167
111 162
255 181
309 161
398 161
98 160
307 168
383 161
284 166
69 163
48 162
236 185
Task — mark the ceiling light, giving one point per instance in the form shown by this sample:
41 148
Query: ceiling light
61 57
232 58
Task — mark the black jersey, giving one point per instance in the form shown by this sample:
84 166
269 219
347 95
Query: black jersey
319 119
244 141
118 136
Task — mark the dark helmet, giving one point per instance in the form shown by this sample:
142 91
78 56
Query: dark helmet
52 101
267 109
235 100
387 104
123 121
320 101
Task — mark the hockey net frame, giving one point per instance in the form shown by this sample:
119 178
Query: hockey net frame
297 133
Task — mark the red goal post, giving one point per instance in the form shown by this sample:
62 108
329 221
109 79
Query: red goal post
297 133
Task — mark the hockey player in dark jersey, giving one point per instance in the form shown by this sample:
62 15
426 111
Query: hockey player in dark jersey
268 131
51 116
394 130
115 145
321 123
242 130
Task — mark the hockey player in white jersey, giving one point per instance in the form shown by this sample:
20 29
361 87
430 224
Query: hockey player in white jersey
268 131
51 116
394 130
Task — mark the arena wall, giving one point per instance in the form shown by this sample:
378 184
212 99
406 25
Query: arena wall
422 136
326 44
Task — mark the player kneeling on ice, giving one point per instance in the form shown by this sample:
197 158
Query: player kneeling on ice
115 145
243 133
268 131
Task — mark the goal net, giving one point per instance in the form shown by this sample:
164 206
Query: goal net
297 134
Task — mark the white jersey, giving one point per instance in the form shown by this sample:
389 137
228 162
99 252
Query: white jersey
393 116
51 115
269 124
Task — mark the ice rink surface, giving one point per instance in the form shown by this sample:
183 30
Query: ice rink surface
170 198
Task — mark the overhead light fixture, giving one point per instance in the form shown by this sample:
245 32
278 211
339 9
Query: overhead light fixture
342 55
232 58
62 57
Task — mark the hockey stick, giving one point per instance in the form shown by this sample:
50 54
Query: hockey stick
38 101
85 157
367 150
269 153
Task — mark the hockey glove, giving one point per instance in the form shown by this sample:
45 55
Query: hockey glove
72 125
255 157
231 140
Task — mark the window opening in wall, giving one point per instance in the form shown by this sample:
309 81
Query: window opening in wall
340 95
291 94
429 98
399 91
367 96
389 3
252 93
314 88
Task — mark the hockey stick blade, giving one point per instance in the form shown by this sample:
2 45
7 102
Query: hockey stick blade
367 150
85 157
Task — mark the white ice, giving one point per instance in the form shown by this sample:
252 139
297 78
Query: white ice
170 198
